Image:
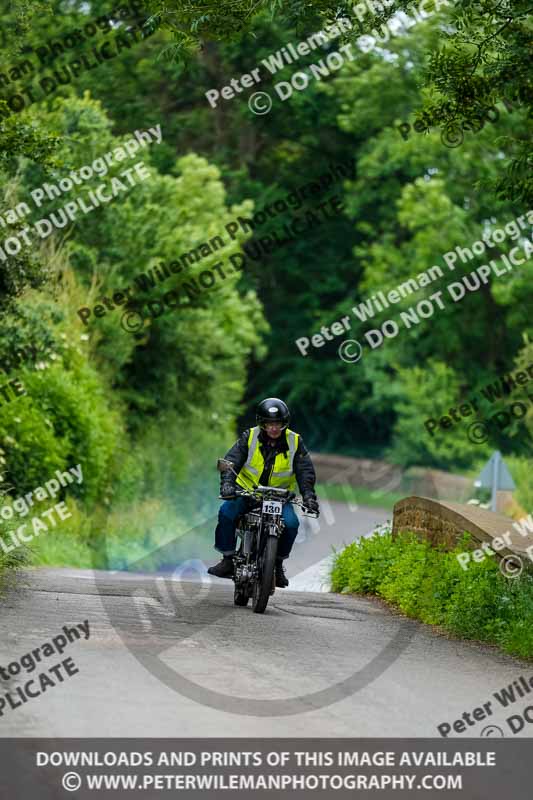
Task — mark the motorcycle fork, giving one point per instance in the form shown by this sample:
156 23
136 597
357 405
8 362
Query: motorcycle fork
248 552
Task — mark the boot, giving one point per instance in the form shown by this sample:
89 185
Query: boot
224 568
281 579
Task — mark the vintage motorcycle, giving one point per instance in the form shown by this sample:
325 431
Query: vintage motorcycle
258 531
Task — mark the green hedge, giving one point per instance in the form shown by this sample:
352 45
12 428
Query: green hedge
9 562
430 585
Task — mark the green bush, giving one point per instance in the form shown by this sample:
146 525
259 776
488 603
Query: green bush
520 469
429 584
412 443
15 557
10 562
362 565
64 419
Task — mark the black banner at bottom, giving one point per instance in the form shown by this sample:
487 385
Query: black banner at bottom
318 768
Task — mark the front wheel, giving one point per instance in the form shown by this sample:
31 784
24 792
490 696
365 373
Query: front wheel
265 581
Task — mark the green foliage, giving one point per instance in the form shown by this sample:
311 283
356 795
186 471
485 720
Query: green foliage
523 361
24 270
425 394
10 562
360 567
480 58
520 469
28 335
20 137
429 584
408 203
148 413
483 58
63 420
144 416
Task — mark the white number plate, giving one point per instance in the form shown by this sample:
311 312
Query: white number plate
272 507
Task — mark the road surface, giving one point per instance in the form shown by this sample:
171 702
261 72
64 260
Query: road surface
175 658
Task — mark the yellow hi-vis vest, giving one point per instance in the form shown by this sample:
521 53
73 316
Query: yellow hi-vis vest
282 475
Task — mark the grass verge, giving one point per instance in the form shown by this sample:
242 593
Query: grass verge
360 495
9 563
428 584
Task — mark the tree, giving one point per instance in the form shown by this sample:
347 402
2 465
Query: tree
482 57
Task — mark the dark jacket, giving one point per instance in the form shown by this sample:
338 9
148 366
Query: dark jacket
302 466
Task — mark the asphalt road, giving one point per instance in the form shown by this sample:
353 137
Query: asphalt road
174 657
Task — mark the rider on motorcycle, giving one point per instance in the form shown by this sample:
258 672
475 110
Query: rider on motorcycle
268 454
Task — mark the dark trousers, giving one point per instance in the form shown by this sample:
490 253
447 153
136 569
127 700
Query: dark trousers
225 538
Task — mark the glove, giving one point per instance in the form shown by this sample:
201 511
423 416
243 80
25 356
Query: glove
310 502
227 489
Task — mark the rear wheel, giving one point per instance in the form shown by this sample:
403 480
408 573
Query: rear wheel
265 582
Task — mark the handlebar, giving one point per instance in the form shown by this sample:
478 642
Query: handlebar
274 490
259 491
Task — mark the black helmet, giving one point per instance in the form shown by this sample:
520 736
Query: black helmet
272 410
